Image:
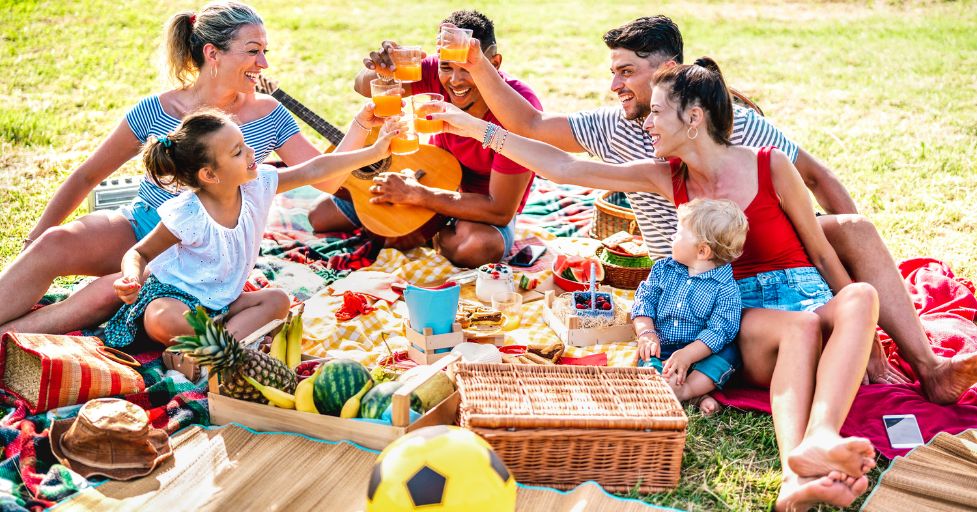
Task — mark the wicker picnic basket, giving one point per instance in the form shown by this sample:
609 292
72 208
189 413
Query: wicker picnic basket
618 271
612 213
560 426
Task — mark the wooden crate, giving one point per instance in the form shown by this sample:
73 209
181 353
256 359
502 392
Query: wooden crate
570 332
267 418
427 347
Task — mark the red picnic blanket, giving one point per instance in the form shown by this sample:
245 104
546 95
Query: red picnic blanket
947 308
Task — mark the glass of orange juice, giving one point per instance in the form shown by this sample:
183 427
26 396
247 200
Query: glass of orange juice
387 95
454 44
510 305
406 141
424 104
407 59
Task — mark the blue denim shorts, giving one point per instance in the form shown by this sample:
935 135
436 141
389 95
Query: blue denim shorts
792 289
141 215
508 231
719 367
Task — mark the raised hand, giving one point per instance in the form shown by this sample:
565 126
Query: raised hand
459 122
381 61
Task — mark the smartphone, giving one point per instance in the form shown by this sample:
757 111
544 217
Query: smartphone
527 256
903 430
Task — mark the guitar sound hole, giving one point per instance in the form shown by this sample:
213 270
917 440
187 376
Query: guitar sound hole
368 172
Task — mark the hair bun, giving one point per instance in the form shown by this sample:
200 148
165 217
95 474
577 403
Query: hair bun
707 63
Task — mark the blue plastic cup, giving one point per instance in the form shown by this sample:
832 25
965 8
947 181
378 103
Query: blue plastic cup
432 307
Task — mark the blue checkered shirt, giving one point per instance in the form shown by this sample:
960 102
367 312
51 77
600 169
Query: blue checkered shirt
704 307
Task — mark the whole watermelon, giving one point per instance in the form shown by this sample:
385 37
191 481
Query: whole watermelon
378 399
337 382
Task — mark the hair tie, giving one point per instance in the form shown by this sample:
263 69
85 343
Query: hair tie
193 19
165 141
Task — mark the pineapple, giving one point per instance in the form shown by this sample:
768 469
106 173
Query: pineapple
214 347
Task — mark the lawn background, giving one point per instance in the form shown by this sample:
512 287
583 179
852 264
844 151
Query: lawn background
884 93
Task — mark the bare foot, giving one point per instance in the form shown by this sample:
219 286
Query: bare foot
819 455
708 405
879 370
950 378
798 494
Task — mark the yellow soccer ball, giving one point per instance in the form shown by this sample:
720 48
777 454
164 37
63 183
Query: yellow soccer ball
440 469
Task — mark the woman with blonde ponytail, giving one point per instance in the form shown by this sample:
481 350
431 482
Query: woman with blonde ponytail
215 57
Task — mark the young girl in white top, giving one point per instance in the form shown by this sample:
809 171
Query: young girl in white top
207 241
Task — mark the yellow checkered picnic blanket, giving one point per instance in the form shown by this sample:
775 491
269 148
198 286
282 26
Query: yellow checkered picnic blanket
362 338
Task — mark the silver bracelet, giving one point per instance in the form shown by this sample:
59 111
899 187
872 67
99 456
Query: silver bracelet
498 147
650 330
489 133
357 121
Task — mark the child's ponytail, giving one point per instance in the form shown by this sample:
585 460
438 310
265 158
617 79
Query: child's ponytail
176 158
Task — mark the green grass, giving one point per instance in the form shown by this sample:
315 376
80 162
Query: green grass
882 92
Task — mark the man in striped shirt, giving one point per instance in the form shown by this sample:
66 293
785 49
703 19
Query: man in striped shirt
614 134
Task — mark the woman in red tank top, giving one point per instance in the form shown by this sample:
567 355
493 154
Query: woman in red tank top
790 309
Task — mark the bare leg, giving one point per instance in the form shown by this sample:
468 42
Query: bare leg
785 359
470 244
254 309
88 307
697 386
867 259
164 318
850 320
326 217
92 245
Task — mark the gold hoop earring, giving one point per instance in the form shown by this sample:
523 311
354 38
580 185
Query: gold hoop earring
213 71
690 135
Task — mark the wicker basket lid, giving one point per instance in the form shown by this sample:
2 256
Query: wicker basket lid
562 396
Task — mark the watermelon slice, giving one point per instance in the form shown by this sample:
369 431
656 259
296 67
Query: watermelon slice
577 268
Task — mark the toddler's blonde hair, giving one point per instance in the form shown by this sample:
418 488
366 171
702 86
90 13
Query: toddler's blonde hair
719 223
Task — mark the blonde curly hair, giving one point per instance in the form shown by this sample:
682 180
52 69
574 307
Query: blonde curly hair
719 223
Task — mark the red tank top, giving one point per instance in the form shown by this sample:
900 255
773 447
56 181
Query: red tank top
772 242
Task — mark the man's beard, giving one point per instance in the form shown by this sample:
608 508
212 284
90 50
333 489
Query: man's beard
639 113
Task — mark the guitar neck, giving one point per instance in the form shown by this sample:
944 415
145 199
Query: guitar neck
320 125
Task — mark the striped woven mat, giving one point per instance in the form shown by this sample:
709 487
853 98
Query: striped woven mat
234 468
939 476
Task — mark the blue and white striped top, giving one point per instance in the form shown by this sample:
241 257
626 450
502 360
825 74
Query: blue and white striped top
264 135
607 134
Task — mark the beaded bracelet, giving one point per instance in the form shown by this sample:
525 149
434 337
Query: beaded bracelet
650 330
501 141
490 130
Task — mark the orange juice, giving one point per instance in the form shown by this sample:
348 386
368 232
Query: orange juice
408 72
424 126
387 105
512 319
454 54
404 144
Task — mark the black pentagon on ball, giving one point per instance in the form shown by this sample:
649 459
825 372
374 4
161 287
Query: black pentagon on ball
499 466
426 487
375 476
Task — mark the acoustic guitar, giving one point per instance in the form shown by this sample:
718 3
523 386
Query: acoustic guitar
434 166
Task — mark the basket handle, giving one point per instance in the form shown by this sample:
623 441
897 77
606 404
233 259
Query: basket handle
633 227
119 356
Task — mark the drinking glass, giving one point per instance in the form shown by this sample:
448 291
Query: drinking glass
424 104
408 62
387 96
454 44
509 304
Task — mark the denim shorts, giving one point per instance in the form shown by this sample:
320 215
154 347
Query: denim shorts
508 231
719 367
141 215
792 289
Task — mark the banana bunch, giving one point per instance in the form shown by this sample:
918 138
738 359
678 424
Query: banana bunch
286 346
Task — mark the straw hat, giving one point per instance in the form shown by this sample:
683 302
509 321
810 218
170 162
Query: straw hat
110 437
